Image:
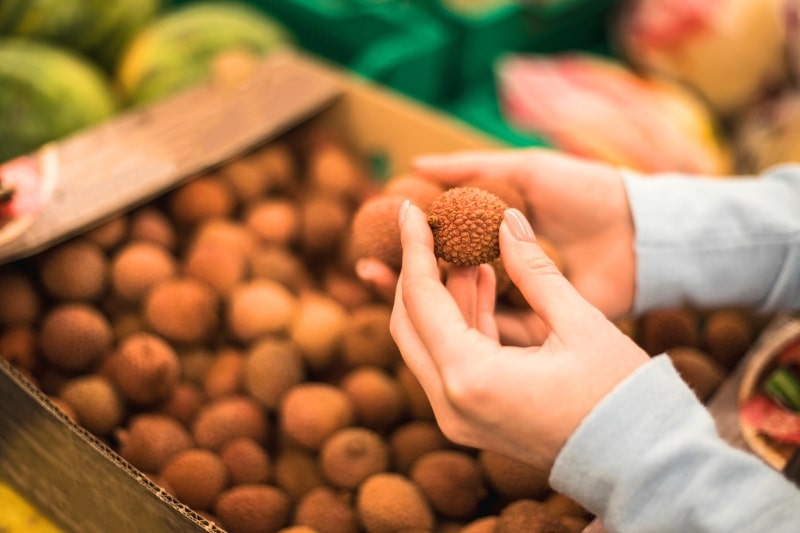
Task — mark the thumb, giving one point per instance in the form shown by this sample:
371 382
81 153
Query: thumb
545 289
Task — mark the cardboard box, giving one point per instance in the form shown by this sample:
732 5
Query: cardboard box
79 482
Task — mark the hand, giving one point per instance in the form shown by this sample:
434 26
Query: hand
521 402
579 206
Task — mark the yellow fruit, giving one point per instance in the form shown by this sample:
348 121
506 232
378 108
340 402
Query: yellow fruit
178 50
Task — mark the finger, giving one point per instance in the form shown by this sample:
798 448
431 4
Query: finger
462 283
417 357
414 352
520 328
432 311
416 240
459 166
545 289
377 275
487 297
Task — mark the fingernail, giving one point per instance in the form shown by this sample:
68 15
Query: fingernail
424 161
403 211
363 269
518 225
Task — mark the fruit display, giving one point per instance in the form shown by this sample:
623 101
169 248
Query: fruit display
46 93
218 339
251 375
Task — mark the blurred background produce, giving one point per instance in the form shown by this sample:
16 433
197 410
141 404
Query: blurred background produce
178 49
731 51
37 79
65 66
735 62
97 28
597 108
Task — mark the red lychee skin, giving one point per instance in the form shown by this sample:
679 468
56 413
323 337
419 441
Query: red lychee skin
466 223
374 231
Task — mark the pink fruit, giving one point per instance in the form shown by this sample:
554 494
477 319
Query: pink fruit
598 108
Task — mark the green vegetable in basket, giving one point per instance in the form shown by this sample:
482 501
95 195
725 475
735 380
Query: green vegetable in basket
783 386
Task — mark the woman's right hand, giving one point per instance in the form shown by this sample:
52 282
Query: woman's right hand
580 206
523 402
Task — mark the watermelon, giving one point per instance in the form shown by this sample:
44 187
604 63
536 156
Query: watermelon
177 50
98 28
47 93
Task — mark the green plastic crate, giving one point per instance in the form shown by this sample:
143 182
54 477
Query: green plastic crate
484 30
581 28
552 9
575 25
479 35
480 108
436 52
394 43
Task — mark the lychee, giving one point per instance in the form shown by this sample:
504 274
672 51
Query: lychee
466 223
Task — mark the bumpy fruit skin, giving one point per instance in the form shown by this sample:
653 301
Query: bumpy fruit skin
389 502
374 231
465 222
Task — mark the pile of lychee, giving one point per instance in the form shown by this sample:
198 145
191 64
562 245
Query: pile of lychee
218 339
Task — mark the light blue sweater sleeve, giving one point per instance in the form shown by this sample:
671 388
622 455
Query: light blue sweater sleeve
649 459
711 242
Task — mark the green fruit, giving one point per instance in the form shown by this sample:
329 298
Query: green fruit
45 94
98 28
177 50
